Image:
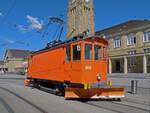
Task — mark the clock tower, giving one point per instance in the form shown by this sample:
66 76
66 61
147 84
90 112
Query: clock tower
80 17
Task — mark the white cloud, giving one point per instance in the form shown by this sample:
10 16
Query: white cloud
35 24
20 27
9 41
1 14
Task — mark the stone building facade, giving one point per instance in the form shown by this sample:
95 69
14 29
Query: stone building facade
15 61
1 65
129 47
80 17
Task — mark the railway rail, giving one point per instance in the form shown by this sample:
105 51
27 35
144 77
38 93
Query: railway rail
118 107
9 109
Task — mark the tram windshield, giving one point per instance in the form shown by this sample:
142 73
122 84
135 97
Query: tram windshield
88 51
76 52
97 52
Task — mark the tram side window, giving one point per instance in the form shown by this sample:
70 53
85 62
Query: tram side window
97 52
68 54
88 51
104 53
77 52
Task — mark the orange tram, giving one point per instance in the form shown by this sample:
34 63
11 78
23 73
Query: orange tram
75 68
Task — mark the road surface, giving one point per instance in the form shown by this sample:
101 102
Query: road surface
17 98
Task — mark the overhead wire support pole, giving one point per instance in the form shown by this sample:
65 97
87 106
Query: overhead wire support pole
60 33
60 22
57 20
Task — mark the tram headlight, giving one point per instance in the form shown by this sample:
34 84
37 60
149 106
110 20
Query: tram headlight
99 77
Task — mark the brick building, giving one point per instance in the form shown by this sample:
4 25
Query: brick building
129 46
80 17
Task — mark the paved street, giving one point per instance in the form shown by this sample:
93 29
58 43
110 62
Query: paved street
17 98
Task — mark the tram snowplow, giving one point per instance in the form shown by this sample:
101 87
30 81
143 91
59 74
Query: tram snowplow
94 93
76 68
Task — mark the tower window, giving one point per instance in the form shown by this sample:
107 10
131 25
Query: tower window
87 1
86 8
73 1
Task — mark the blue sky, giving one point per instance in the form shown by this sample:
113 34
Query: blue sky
21 19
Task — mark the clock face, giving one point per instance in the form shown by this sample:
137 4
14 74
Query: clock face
73 1
87 0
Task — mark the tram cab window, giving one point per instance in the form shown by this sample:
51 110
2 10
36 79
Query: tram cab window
88 51
104 53
68 54
77 52
97 52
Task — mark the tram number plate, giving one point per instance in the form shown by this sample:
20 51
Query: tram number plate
88 67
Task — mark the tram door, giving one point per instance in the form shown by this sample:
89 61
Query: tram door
67 63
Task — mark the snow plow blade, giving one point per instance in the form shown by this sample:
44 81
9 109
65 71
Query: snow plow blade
94 93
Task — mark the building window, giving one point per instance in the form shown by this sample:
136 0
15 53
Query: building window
131 61
132 52
68 54
147 50
148 60
131 40
77 52
88 51
146 37
117 43
97 52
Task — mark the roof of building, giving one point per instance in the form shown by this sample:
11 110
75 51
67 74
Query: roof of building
18 53
123 27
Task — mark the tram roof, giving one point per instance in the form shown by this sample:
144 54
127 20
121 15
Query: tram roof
56 44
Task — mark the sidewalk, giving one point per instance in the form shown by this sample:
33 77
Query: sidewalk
124 80
130 75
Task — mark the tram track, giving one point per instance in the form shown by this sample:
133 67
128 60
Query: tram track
136 101
21 98
6 106
117 107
